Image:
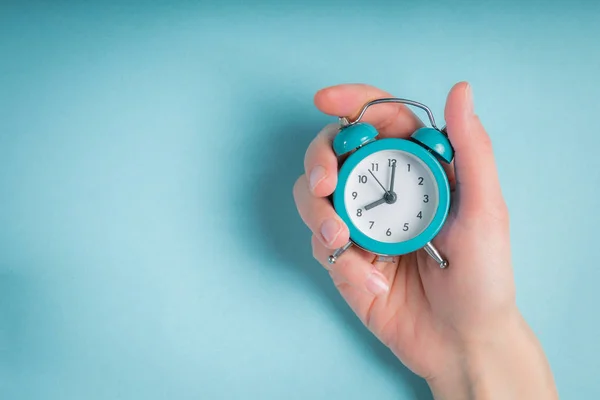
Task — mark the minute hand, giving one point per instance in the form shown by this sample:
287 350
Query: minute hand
377 180
393 178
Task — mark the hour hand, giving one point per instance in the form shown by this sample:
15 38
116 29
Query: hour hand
375 204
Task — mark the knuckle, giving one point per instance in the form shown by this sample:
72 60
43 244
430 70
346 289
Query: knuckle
485 143
323 137
320 254
500 213
313 245
319 151
308 157
298 186
328 132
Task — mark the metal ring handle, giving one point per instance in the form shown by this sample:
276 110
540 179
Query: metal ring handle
345 122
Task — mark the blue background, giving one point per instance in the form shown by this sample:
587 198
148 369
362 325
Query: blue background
149 244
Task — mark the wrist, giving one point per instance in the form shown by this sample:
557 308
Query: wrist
503 362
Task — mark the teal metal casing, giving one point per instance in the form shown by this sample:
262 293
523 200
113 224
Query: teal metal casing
409 146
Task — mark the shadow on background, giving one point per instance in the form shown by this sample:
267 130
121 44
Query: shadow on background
284 235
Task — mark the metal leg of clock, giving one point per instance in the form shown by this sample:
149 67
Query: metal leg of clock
435 254
336 254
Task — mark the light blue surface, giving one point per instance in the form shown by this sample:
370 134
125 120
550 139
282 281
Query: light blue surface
441 180
149 245
435 141
352 137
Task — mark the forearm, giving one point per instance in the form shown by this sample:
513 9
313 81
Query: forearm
507 365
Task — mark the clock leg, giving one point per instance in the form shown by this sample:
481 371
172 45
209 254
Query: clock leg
336 254
435 254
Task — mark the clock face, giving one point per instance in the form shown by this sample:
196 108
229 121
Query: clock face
391 211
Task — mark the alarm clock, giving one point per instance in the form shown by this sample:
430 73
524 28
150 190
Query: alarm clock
392 193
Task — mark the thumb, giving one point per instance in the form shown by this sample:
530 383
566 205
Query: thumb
477 184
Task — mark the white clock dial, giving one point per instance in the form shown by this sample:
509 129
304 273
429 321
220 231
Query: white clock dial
395 213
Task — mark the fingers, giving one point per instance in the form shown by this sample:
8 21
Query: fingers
347 100
477 183
320 162
353 268
320 217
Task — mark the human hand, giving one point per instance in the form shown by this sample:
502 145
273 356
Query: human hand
459 327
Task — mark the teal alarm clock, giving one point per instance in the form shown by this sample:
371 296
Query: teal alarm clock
392 193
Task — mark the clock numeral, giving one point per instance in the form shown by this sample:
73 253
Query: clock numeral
405 227
425 199
388 232
359 212
354 195
420 215
372 223
420 181
391 162
374 166
362 179
408 167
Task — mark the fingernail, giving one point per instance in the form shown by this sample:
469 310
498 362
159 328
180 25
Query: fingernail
330 230
377 284
469 100
317 174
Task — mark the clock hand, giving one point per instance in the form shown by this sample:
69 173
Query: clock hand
393 178
384 189
375 204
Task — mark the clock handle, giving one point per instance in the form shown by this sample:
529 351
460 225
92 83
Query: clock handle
344 121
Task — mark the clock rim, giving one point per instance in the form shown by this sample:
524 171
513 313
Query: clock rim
419 241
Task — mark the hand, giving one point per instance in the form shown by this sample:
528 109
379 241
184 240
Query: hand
459 328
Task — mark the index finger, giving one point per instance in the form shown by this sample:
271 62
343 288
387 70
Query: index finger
390 119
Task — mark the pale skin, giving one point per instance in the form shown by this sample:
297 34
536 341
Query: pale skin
459 328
